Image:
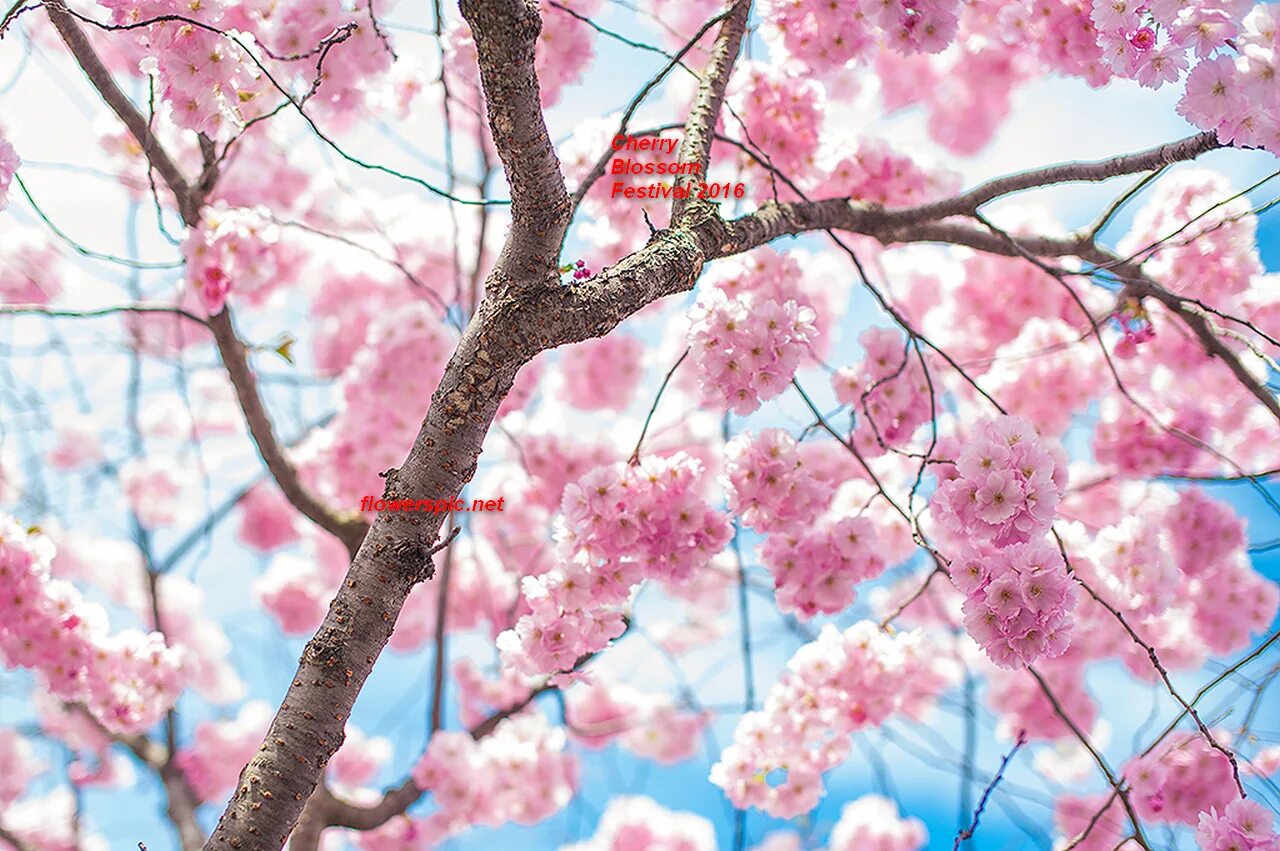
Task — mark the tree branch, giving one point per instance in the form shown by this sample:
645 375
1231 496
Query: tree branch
18 843
506 33
78 43
1072 172
180 800
349 527
695 148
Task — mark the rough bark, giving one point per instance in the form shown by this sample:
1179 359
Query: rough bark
506 34
308 729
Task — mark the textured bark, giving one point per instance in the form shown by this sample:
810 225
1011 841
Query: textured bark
695 147
308 729
506 34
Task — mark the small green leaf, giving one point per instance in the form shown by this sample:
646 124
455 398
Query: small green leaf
285 348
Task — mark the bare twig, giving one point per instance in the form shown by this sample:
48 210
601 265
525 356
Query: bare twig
982 803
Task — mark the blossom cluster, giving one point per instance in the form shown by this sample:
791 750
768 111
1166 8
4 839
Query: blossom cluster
240 248
621 524
1018 602
648 725
1184 777
33 271
602 373
9 163
838 684
816 568
872 821
873 171
520 773
769 486
1005 485
1196 237
126 680
1000 499
386 391
1204 532
1244 825
747 350
888 392
981 51
210 81
638 823
18 765
1233 93
1044 374
778 276
826 37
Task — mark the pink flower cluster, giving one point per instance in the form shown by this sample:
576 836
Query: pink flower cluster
209 80
815 568
602 374
1018 602
747 350
826 37
158 489
296 28
1127 440
1196 238
888 392
783 114
1182 778
296 589
94 764
872 822
479 696
1131 567
875 172
621 524
127 680
18 766
1046 374
240 248
342 307
386 392
1230 603
637 823
1204 532
782 276
268 520
554 461
520 773
33 269
1075 815
1234 93
1005 486
834 686
9 163
1242 826
770 487
1023 708
218 749
648 725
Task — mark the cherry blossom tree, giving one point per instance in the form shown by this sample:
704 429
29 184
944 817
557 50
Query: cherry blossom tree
744 376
